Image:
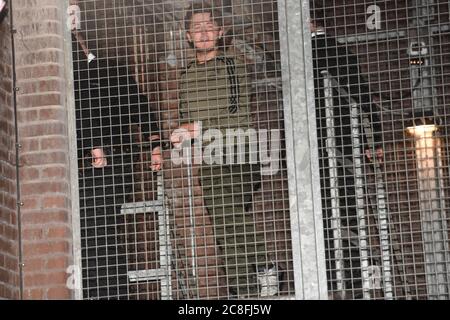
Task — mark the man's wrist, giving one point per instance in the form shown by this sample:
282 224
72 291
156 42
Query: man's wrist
155 144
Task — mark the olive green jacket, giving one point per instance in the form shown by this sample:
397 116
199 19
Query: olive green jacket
215 93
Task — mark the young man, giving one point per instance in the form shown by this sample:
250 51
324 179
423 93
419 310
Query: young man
215 95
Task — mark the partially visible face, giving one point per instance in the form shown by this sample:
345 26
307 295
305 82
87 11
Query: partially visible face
204 32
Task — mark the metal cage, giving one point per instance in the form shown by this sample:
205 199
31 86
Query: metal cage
340 184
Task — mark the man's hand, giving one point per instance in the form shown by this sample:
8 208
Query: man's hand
378 152
98 158
156 159
184 132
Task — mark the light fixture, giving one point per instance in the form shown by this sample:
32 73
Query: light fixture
433 217
423 124
421 131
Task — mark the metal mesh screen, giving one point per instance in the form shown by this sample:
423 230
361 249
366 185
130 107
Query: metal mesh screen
381 72
201 90
213 222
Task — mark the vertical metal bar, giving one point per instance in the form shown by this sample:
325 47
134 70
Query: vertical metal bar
334 187
74 187
383 226
444 276
164 244
383 222
308 247
168 252
191 212
182 53
441 186
433 216
359 193
423 85
17 155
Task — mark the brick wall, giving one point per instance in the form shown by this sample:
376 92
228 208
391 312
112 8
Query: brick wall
8 218
44 157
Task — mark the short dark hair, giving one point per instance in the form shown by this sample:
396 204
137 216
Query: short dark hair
200 7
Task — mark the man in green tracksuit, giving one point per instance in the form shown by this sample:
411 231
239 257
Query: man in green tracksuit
214 98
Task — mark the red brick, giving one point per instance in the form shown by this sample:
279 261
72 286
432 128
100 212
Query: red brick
11 263
54 202
39 57
34 265
28 115
54 172
30 203
43 129
43 217
30 144
33 294
39 71
55 113
54 143
7 246
31 249
34 159
10 200
5 276
9 232
45 279
62 232
33 234
58 263
38 188
39 100
28 174
60 293
5 215
34 279
39 27
40 86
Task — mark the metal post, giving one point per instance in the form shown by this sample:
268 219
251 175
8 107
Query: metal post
383 229
445 275
308 247
334 185
383 221
74 186
381 208
359 193
164 243
191 212
433 215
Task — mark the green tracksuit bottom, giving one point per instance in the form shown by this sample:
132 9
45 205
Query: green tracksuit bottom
227 191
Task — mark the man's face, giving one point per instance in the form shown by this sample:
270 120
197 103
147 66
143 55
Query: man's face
204 32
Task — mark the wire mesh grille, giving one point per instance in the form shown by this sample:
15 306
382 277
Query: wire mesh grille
191 229
381 79
200 230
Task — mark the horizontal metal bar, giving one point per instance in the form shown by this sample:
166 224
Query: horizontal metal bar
142 207
275 82
387 35
147 275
